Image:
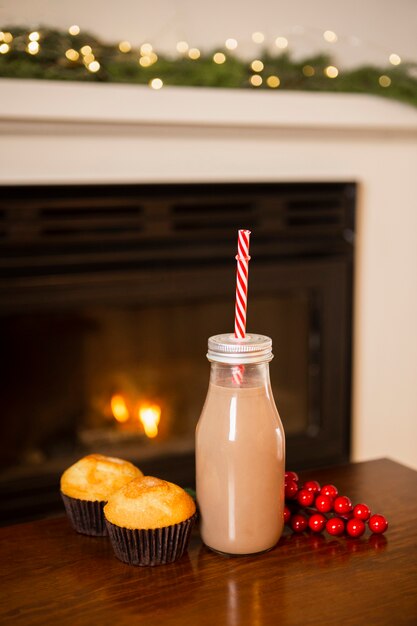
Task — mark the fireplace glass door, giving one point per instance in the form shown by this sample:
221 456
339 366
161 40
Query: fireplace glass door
110 294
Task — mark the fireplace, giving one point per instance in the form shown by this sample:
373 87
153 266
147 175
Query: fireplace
108 296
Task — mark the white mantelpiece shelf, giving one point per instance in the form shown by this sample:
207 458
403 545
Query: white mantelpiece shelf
98 103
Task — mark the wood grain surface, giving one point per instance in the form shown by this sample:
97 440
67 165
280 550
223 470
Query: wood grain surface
51 575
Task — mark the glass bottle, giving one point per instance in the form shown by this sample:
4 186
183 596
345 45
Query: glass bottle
240 449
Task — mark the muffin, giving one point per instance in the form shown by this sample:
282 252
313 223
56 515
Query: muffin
87 485
149 521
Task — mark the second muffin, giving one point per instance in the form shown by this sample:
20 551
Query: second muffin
149 521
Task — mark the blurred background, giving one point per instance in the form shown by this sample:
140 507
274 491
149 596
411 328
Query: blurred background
367 31
119 210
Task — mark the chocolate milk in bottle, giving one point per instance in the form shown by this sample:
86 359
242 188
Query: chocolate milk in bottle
240 449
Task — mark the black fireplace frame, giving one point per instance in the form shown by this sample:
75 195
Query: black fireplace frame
66 246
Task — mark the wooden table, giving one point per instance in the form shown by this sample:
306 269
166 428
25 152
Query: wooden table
51 575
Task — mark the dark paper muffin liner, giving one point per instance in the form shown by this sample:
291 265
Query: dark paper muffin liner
153 546
86 517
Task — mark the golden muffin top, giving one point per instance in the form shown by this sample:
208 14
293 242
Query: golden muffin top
147 503
96 477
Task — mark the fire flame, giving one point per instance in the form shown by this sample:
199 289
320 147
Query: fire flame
148 414
150 417
119 408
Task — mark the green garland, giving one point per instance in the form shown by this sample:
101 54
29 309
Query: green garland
51 63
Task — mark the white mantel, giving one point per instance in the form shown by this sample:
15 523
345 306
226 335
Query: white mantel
55 132
97 103
92 132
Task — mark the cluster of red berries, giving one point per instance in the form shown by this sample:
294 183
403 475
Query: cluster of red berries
316 501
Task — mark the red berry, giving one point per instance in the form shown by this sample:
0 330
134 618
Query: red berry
287 515
342 504
330 491
305 498
317 522
355 527
312 485
323 504
335 526
291 489
362 511
298 523
291 476
378 524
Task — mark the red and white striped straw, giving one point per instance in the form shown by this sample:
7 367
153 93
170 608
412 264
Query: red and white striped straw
243 259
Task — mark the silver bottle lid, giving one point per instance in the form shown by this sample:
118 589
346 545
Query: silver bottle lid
227 349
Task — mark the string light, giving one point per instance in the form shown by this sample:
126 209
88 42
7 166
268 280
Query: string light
33 47
308 70
330 36
125 46
256 80
219 58
194 53
88 58
258 37
257 65
231 44
384 81
72 55
182 47
156 83
331 71
394 59
273 82
281 43
94 66
149 57
146 48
